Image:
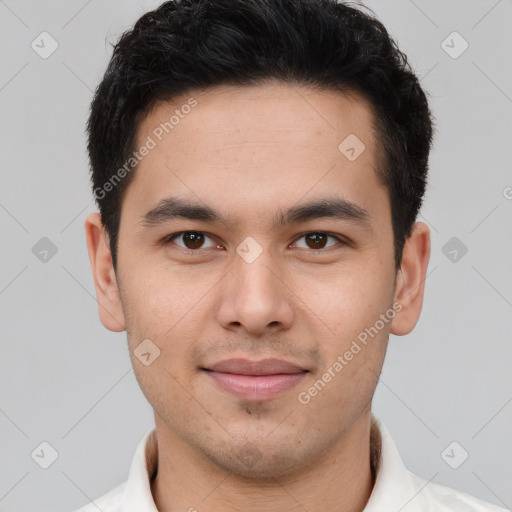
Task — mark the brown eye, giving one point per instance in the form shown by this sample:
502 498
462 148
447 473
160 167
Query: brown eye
191 240
316 240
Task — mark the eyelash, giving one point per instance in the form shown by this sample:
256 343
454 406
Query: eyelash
190 252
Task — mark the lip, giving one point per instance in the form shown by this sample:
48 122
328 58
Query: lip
255 380
253 368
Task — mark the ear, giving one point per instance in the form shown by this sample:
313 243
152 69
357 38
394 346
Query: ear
105 280
410 281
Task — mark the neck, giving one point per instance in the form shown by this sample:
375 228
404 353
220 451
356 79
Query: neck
341 479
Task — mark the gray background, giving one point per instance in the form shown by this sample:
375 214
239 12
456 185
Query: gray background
66 380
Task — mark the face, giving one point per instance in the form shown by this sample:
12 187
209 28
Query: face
256 254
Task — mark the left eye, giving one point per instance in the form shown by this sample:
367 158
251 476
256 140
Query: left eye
317 240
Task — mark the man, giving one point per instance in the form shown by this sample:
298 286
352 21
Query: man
259 166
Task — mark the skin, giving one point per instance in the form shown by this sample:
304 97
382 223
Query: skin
250 153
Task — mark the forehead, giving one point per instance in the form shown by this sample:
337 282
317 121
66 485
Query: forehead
269 107
262 145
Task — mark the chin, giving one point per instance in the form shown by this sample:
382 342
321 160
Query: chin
260 461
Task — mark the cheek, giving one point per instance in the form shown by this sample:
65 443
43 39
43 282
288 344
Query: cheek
353 362
155 301
351 307
349 300
167 392
176 321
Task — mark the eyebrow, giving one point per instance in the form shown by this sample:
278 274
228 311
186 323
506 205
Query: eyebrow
171 208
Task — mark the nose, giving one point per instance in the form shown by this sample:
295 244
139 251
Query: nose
255 298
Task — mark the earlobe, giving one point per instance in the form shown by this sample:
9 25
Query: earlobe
105 280
410 281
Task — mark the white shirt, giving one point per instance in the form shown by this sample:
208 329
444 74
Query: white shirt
396 489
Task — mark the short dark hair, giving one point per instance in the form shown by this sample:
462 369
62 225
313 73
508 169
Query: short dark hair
190 45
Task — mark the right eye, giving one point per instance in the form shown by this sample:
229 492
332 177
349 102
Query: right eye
191 241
